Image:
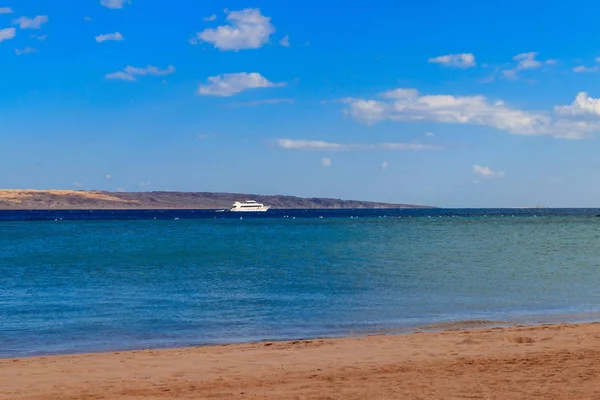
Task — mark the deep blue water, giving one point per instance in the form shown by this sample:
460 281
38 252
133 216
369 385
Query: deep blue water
31 215
108 280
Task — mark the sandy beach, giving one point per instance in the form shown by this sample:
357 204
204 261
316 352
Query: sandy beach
541 362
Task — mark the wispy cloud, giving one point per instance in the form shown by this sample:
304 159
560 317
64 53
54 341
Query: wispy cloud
39 37
309 145
326 162
285 42
256 103
230 84
7 34
114 4
407 105
87 18
6 10
31 23
463 60
487 172
132 73
26 50
582 68
384 165
117 36
209 18
248 29
526 61
318 145
108 177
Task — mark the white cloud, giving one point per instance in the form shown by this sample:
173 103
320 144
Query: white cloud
285 42
256 103
144 184
6 10
582 105
39 37
122 76
318 145
407 105
526 61
384 165
7 34
326 162
31 23
26 50
400 93
87 18
131 73
248 29
209 18
463 60
430 134
117 36
107 176
367 111
78 184
114 4
230 84
486 172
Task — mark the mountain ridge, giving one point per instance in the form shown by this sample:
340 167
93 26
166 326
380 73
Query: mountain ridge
97 199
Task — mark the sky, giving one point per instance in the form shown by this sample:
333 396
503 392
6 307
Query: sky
451 104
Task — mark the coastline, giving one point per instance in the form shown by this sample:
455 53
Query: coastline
43 200
543 361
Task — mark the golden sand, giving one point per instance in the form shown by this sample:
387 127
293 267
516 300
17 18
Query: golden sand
543 362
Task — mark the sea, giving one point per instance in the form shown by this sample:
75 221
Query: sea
94 281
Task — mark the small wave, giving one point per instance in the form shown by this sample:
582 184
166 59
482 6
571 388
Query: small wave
476 323
438 326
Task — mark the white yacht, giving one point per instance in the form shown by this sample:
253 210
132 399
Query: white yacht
249 206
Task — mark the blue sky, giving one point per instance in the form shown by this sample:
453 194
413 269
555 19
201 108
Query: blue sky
450 104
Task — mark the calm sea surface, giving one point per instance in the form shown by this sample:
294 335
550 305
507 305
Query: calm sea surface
95 281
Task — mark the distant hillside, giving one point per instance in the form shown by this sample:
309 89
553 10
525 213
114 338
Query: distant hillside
98 200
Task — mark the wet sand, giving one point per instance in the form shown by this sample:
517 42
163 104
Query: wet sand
542 362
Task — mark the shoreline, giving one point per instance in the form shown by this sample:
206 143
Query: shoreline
524 321
541 361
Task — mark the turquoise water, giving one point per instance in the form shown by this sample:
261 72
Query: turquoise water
80 286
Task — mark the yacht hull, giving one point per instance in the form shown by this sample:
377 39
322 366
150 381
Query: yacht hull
263 209
249 206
